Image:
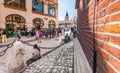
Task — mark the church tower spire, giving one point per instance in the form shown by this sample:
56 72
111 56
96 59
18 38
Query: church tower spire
67 16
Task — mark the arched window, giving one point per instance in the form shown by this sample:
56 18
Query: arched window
51 10
37 6
38 23
51 24
15 20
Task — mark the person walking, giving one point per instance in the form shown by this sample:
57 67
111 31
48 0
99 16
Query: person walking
75 32
19 33
29 30
15 32
46 33
38 36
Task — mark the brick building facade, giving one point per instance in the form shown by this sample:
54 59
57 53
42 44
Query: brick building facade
99 33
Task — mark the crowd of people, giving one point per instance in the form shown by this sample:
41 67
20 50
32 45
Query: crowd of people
42 33
39 33
47 33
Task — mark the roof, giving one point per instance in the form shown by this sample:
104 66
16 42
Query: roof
67 13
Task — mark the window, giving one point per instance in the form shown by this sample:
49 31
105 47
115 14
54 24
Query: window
38 23
51 10
37 6
17 3
15 21
51 24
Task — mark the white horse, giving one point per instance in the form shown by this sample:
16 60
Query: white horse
15 62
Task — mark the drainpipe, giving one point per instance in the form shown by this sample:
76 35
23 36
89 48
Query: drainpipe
94 45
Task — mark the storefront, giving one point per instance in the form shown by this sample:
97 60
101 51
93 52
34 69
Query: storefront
28 13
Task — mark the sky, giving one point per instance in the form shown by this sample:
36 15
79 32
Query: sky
66 5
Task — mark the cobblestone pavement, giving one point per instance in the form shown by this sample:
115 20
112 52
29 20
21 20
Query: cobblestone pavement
58 61
27 56
28 49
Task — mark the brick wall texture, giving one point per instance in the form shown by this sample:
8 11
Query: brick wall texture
100 20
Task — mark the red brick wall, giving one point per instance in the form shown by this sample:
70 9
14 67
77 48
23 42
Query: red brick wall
103 25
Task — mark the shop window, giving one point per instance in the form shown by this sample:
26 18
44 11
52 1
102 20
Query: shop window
37 6
38 23
14 21
51 24
51 10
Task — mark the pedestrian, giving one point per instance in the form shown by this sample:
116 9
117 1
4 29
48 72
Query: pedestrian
19 33
62 31
15 32
0 35
18 38
53 32
74 32
50 32
38 35
58 31
46 33
67 38
36 52
29 30
4 37
72 29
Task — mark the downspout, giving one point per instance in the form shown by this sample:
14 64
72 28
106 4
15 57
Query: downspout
94 45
